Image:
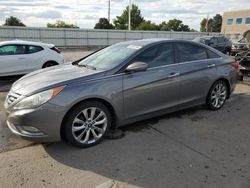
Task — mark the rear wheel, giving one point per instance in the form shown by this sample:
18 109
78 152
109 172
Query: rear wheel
87 124
217 95
49 64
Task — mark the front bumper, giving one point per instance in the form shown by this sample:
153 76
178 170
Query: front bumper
45 121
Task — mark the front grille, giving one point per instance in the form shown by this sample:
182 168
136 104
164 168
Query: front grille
11 98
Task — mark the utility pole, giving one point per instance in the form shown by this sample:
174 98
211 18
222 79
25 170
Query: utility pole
129 16
109 11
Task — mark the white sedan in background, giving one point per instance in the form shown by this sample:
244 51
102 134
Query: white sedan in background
21 57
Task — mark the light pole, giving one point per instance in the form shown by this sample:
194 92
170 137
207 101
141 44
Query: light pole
129 16
109 11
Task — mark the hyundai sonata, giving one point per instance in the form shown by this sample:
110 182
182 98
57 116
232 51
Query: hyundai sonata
118 85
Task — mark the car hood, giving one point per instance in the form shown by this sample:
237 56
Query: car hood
54 76
238 43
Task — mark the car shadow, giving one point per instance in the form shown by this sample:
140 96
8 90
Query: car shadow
134 159
7 81
173 148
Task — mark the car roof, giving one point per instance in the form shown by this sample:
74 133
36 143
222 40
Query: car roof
146 42
23 42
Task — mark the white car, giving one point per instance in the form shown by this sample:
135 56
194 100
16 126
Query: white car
21 57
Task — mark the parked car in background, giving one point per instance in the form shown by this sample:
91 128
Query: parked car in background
220 43
21 57
118 85
239 46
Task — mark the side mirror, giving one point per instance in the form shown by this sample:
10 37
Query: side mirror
137 67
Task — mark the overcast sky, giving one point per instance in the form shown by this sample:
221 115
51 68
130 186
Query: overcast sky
85 13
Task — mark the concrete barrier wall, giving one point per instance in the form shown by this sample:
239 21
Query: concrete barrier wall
75 38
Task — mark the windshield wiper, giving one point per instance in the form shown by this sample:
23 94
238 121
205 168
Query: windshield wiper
87 66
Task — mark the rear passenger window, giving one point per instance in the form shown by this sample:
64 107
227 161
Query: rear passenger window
34 49
190 52
212 55
159 55
221 40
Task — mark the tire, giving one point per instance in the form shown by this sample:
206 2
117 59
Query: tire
217 95
87 124
49 64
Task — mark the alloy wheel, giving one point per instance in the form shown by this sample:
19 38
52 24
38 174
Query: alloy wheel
89 125
218 95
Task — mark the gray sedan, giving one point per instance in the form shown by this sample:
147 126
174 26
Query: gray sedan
118 85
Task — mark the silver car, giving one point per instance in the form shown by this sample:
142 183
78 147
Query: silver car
118 85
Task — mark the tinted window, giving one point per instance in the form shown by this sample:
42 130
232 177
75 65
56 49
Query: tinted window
214 41
156 56
212 55
230 21
248 20
190 52
239 21
34 49
12 50
221 40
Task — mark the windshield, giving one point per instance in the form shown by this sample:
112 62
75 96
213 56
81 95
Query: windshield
109 57
205 40
243 40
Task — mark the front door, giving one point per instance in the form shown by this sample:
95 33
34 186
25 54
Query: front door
156 88
12 60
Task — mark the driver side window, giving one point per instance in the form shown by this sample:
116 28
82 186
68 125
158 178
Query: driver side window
214 41
156 56
12 50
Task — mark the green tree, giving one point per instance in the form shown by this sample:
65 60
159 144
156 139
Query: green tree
121 22
214 24
148 26
174 25
103 23
217 23
61 24
13 21
204 25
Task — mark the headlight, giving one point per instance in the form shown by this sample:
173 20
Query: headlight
38 99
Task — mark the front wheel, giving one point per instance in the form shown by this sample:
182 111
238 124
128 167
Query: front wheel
87 124
217 95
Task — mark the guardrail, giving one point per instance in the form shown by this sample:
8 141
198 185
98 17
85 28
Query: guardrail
75 38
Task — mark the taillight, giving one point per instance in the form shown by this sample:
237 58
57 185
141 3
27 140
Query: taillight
56 49
235 65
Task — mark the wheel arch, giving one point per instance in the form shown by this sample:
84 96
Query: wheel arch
114 116
50 61
227 83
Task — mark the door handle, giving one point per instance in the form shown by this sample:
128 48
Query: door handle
174 74
211 65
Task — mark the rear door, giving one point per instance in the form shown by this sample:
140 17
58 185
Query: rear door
222 44
156 88
12 60
197 71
